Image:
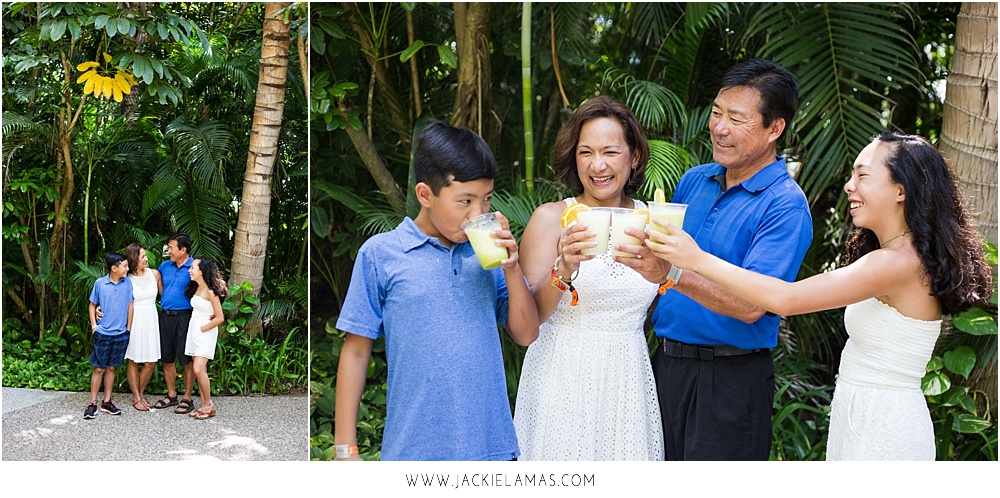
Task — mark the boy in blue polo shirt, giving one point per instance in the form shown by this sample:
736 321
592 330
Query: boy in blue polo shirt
422 288
113 293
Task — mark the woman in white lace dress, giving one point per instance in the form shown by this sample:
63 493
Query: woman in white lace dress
144 340
586 390
914 256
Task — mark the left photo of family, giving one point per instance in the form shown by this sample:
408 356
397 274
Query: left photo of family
155 231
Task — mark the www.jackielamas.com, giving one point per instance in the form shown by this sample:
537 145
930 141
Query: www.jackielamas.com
499 480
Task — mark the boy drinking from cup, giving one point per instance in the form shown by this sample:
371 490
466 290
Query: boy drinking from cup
423 289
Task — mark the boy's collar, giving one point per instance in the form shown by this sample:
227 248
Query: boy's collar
412 237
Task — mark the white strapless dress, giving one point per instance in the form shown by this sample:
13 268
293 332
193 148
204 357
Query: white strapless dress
878 410
200 343
587 390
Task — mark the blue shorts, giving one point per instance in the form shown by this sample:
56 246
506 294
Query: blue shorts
109 350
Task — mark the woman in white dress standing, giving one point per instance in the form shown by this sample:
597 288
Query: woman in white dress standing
144 340
586 390
207 290
913 257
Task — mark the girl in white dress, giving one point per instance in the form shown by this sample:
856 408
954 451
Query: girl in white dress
586 390
914 256
207 290
144 340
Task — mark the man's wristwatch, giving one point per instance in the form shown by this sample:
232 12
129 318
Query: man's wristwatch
342 451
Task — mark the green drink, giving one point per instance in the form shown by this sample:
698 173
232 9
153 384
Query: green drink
478 230
667 211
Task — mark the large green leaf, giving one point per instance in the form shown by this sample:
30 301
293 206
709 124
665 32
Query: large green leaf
935 383
967 423
976 321
960 360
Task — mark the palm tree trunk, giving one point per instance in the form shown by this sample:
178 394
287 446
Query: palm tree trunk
969 132
969 127
473 100
252 226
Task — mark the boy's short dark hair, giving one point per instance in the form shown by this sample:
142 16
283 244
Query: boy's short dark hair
446 153
183 241
777 86
113 259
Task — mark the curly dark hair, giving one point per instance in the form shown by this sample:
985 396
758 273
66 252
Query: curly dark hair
213 278
564 153
950 249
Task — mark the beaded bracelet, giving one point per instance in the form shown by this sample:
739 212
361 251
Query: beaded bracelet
565 285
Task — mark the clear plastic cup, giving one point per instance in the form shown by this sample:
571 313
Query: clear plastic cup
597 220
478 230
669 211
621 219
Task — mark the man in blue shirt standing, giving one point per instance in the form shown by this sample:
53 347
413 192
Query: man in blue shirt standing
713 368
174 318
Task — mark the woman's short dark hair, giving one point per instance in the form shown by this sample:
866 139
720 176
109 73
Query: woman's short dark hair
777 86
950 249
446 153
132 255
564 154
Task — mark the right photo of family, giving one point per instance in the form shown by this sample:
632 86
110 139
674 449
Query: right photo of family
653 231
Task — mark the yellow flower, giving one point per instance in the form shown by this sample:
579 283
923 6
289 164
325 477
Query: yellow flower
105 80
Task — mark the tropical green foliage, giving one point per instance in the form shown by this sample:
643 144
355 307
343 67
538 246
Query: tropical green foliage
963 425
169 157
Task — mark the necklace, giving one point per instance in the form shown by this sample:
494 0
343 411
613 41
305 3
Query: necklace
894 238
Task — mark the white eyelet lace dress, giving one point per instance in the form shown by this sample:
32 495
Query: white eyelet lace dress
144 339
586 390
878 410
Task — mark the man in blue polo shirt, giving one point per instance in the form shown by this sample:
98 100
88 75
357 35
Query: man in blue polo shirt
713 369
174 318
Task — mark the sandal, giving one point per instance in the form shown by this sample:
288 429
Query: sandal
166 402
204 414
185 406
140 406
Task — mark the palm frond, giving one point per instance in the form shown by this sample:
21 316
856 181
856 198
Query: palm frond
667 163
845 55
202 148
162 192
14 123
203 218
87 273
518 208
655 106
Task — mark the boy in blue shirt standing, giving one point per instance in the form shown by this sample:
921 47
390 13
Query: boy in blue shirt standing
421 286
113 293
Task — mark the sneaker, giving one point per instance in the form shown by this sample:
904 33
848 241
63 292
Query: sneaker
91 411
110 407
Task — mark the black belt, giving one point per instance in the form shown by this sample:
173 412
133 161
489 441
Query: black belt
177 312
698 352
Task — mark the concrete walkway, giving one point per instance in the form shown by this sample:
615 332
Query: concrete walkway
49 425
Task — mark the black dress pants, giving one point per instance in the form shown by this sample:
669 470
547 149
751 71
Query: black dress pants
717 409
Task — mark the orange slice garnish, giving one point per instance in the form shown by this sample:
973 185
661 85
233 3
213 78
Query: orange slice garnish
569 214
